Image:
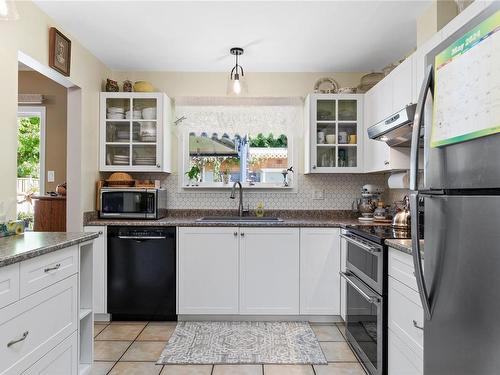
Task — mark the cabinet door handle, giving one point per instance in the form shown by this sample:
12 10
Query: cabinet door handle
100 232
415 324
22 338
314 167
386 162
242 234
56 267
235 234
157 165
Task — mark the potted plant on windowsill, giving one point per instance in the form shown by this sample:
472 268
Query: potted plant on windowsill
193 175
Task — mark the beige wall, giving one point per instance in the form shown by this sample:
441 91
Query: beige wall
214 84
55 103
30 34
434 18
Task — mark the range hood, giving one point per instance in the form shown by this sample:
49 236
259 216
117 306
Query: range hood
396 129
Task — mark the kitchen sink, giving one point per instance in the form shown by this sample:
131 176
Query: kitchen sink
239 219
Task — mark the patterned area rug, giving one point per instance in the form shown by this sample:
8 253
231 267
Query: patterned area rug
243 342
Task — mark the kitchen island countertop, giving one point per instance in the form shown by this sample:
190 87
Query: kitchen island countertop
14 249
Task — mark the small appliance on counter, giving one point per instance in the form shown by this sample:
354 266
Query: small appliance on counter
132 203
370 196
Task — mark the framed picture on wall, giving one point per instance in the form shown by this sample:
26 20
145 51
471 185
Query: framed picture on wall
59 52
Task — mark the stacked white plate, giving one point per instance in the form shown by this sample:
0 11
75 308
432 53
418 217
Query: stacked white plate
121 159
116 113
145 160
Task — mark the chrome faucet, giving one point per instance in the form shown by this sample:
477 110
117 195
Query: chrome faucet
232 196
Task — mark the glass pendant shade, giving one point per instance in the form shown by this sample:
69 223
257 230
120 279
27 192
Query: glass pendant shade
236 85
8 11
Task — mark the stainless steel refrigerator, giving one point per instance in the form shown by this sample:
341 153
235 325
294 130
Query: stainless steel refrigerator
459 280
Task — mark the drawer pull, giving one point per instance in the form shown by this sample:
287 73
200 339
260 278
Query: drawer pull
415 324
10 343
56 267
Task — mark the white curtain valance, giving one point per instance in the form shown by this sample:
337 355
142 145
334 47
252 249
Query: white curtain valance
240 119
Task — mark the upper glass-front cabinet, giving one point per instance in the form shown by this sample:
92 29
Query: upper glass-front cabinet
333 135
135 132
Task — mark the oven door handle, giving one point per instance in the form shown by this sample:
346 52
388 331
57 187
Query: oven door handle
372 299
140 238
351 239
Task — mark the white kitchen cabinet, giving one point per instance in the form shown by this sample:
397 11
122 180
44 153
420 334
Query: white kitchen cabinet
100 280
401 79
208 270
135 131
62 360
320 261
401 360
334 133
269 271
405 317
343 285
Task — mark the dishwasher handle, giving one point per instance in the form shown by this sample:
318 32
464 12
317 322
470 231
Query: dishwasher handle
142 238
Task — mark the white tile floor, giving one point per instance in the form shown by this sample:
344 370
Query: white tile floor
132 348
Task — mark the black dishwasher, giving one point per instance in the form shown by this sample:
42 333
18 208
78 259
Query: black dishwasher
141 273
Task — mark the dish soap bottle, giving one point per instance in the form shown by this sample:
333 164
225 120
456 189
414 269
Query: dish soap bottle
259 211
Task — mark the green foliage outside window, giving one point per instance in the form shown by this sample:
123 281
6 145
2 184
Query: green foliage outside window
262 141
28 149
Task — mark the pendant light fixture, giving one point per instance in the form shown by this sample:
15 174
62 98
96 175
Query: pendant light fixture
8 11
236 85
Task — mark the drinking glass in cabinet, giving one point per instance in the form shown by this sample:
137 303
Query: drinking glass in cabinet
326 157
144 155
325 110
147 131
144 108
116 108
117 132
347 157
348 133
347 110
117 155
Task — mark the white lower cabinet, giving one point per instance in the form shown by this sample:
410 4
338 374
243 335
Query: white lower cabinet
319 271
208 270
62 360
406 318
269 271
99 273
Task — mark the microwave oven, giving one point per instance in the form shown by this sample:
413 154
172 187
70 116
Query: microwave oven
132 203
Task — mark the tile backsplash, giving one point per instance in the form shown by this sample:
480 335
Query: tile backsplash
339 191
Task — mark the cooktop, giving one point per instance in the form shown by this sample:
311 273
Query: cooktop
379 233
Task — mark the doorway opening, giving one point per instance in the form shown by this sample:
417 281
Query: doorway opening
30 160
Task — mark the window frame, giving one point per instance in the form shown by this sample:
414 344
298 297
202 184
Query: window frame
184 165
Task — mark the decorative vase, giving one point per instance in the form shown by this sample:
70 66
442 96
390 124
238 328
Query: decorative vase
127 86
112 86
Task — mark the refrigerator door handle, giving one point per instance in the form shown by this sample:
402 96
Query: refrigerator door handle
417 257
418 121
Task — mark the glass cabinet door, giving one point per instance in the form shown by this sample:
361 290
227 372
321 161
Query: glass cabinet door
335 139
145 128
131 132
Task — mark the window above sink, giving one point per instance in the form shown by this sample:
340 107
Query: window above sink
249 143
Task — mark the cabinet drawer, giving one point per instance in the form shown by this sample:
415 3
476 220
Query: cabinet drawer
9 284
401 268
62 360
405 311
38 323
40 272
402 360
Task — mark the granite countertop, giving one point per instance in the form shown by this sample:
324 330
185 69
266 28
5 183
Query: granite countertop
188 218
404 245
14 249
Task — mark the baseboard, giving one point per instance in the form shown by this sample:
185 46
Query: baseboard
266 318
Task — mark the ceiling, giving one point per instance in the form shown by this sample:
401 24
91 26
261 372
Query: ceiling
278 36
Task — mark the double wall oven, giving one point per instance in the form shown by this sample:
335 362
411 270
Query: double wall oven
366 300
